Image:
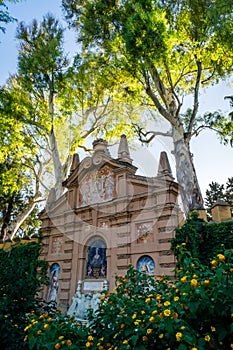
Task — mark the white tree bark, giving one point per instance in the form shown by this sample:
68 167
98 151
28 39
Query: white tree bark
185 173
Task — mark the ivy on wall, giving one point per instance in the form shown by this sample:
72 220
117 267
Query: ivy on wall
204 240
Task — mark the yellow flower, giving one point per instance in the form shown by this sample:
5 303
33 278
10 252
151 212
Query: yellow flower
214 263
136 323
151 319
134 316
142 312
90 338
100 347
149 331
61 337
167 312
125 341
221 257
144 338
179 336
154 312
176 298
68 342
25 338
167 303
150 295
213 329
147 300
161 336
122 326
57 346
194 349
139 297
39 331
184 279
46 325
207 338
206 282
158 296
49 319
88 344
193 283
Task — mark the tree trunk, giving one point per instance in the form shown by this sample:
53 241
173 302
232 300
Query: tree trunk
21 217
185 172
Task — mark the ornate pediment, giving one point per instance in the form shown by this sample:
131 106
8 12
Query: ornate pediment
97 187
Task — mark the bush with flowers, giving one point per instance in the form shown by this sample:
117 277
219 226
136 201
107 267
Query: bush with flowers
55 331
193 311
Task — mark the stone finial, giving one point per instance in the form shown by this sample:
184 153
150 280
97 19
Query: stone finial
75 162
100 145
123 150
164 165
221 211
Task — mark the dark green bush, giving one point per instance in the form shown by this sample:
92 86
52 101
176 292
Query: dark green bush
21 276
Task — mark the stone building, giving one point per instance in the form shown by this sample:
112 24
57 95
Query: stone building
108 218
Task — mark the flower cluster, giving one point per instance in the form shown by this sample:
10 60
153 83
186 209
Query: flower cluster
57 332
191 312
148 312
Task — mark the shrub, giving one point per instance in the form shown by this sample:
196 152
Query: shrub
193 311
21 276
54 332
204 240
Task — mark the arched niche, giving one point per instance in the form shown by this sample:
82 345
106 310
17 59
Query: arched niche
53 286
96 261
146 264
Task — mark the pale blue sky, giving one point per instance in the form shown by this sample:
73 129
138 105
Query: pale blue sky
213 161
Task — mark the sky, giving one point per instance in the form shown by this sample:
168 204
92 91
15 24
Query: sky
213 161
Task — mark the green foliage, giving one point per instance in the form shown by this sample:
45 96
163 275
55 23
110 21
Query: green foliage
21 276
203 240
219 191
5 16
54 332
194 311
170 49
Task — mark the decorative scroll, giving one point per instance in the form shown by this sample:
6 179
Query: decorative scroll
97 187
144 232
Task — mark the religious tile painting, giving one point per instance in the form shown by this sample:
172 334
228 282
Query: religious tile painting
53 286
98 187
144 232
146 264
56 247
96 261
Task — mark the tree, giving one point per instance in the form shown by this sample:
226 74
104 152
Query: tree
171 49
219 191
19 170
50 107
5 17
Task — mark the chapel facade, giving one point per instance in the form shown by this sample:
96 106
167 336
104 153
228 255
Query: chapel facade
108 218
